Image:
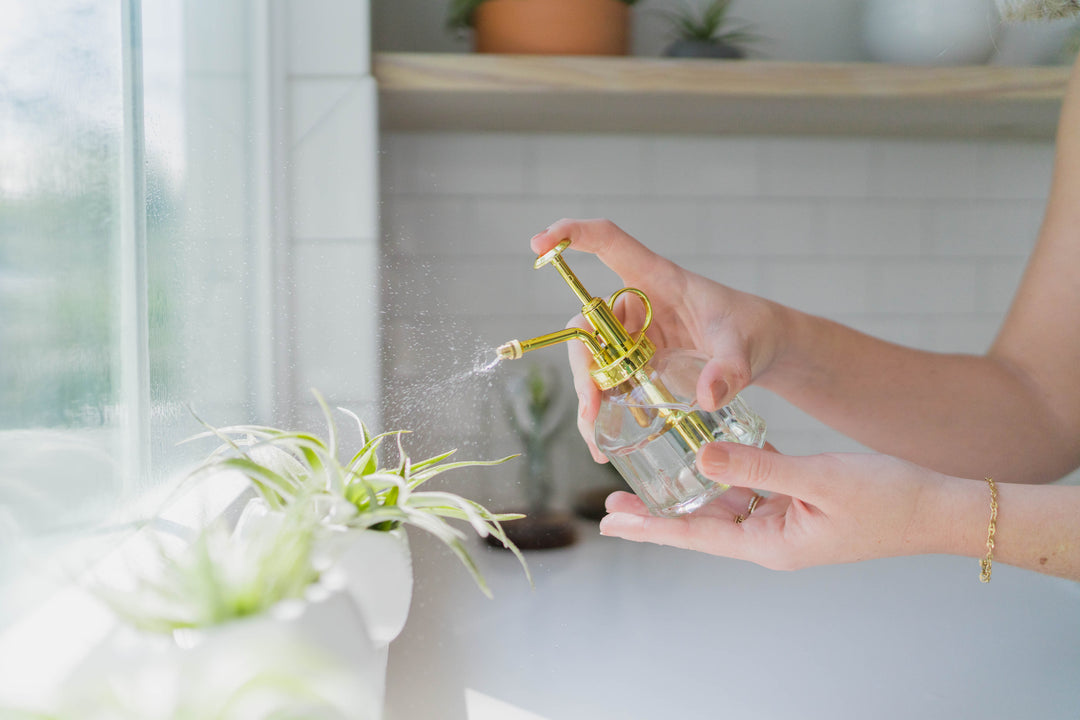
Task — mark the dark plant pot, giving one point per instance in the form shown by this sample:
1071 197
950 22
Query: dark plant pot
546 530
704 49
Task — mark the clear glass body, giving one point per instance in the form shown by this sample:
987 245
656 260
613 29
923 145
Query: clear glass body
651 427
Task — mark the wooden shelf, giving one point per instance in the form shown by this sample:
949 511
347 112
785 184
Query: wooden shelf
518 93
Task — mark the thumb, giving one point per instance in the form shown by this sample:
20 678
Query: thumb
761 469
721 379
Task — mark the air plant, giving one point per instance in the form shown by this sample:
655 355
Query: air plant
711 24
221 577
536 409
289 469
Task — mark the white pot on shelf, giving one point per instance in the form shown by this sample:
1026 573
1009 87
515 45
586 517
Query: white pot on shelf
1034 43
930 32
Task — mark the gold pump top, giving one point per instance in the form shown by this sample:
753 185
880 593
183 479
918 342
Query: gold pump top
617 354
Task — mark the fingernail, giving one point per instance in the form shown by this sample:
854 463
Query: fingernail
614 524
713 458
717 391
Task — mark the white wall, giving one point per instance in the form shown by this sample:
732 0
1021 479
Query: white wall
330 126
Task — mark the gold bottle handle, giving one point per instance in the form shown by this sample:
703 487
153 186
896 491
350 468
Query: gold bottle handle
644 301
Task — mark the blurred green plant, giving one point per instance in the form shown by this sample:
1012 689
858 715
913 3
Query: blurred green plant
710 24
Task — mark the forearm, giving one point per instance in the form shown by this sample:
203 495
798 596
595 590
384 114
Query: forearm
1037 527
962 415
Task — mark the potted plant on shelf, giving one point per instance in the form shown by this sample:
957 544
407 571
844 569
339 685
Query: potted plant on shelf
545 27
710 33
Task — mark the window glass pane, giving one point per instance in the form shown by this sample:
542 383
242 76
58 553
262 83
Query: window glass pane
61 139
199 207
66 416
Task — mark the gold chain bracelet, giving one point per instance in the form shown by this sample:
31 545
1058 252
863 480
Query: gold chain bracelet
985 566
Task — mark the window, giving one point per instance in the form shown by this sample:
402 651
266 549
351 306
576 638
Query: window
129 268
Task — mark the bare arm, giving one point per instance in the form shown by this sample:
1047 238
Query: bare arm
1014 412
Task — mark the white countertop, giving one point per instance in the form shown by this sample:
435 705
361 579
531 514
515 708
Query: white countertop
621 631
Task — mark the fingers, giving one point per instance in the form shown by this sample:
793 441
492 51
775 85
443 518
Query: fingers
625 502
762 469
711 529
726 374
587 393
704 534
713 390
615 248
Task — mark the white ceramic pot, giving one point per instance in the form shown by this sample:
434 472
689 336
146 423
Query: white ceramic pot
1033 43
375 568
235 670
930 32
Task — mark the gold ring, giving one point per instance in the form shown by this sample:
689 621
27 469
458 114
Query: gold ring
754 500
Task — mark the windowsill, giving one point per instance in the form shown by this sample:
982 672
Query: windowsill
518 93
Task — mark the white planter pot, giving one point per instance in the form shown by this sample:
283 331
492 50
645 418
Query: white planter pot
309 658
930 32
375 568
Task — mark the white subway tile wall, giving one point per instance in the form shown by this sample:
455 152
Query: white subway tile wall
920 242
334 163
329 37
332 289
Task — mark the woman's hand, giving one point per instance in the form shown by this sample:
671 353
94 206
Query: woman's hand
823 509
739 332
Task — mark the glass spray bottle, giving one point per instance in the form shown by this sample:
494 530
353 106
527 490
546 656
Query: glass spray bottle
649 424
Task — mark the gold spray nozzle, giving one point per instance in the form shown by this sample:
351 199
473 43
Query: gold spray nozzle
617 354
510 350
516 348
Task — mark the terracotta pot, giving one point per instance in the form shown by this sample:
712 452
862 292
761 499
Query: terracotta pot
552 27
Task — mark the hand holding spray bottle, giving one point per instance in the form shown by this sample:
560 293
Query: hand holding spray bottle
649 425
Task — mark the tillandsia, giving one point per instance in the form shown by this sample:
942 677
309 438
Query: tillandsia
711 24
221 577
289 468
